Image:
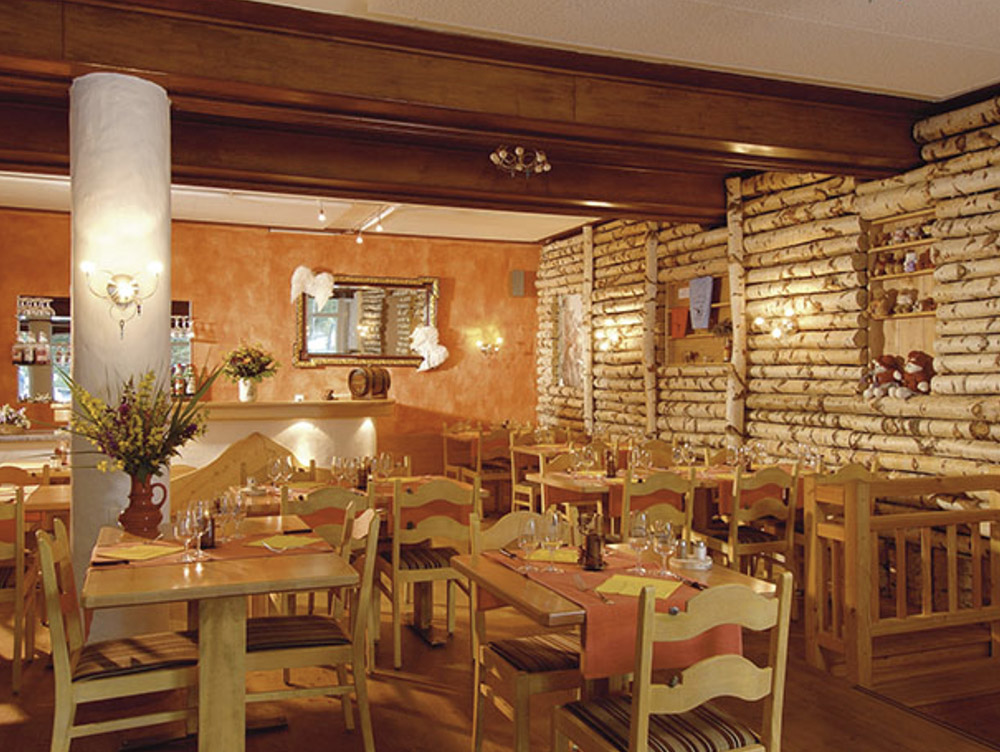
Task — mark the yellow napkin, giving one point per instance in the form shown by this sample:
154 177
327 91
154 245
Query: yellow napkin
285 542
562 555
138 552
623 584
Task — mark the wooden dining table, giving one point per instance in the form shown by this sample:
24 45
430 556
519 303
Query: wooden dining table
219 587
505 585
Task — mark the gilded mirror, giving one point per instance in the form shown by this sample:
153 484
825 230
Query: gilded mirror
366 321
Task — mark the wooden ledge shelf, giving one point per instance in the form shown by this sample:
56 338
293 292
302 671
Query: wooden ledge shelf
913 315
901 275
313 410
901 246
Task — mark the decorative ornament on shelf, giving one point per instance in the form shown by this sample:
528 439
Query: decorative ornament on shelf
248 365
125 292
319 286
517 160
139 430
13 420
424 342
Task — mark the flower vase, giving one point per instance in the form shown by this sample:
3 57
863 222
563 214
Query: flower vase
142 516
248 390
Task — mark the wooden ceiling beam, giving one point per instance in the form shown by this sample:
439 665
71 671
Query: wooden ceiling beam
426 108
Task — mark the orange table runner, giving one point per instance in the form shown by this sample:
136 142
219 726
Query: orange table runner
609 632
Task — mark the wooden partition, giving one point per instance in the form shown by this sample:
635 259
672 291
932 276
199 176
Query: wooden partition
872 576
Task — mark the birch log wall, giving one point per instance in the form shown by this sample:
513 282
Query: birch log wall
798 246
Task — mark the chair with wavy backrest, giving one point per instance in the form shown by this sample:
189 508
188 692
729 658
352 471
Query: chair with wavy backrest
18 580
423 518
522 492
563 463
662 496
298 641
679 715
762 520
510 671
248 457
136 665
491 462
18 476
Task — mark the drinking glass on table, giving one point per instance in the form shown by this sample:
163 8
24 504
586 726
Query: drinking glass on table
638 539
527 541
185 532
199 513
664 544
552 537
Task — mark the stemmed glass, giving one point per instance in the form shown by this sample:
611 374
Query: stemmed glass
527 542
664 544
186 531
552 537
274 469
199 522
638 539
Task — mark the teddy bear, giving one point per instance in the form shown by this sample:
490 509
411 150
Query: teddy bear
915 376
882 376
906 301
926 304
879 267
882 303
924 260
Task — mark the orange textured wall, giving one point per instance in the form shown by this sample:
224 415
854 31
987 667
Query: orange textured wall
238 282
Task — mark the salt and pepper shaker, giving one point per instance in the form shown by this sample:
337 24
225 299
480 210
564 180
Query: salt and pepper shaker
682 549
700 550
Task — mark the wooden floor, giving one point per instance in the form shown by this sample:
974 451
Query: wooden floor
426 708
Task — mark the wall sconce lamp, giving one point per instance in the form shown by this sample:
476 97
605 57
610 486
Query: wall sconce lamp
607 339
779 327
124 292
490 348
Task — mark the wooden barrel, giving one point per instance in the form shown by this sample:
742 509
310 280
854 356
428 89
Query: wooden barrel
369 382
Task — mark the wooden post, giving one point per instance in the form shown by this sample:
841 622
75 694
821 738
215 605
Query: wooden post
736 383
649 333
858 563
588 329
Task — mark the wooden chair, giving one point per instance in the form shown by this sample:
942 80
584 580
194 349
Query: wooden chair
84 673
414 559
491 462
455 466
765 528
510 671
522 493
678 715
299 641
636 493
18 581
17 476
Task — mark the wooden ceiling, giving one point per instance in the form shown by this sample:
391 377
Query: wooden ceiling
279 99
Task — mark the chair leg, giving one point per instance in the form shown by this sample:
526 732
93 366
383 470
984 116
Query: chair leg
361 690
18 647
478 706
451 606
345 699
397 626
62 721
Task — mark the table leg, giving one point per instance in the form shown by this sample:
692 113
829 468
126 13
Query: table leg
423 613
222 674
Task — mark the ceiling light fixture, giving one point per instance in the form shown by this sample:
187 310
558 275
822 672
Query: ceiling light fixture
322 214
375 220
359 239
520 161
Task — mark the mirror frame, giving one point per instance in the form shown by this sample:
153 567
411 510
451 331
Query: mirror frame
302 359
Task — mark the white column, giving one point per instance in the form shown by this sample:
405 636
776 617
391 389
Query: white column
120 177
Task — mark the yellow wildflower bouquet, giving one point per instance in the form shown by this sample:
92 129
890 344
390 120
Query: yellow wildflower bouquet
144 428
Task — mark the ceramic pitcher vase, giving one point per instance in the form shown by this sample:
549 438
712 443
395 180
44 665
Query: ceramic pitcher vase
248 390
142 516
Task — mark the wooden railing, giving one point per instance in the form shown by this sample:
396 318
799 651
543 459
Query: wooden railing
871 575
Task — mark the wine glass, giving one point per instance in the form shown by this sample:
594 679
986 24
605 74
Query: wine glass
199 523
527 541
552 537
274 471
664 544
185 532
241 506
638 539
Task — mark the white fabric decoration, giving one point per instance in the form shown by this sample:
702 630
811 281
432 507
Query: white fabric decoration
424 341
320 286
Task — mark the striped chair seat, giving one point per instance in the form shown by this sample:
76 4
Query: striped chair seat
422 557
306 631
134 655
540 653
745 534
704 729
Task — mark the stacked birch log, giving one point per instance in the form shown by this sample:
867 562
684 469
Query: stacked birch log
805 261
560 273
692 405
619 325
